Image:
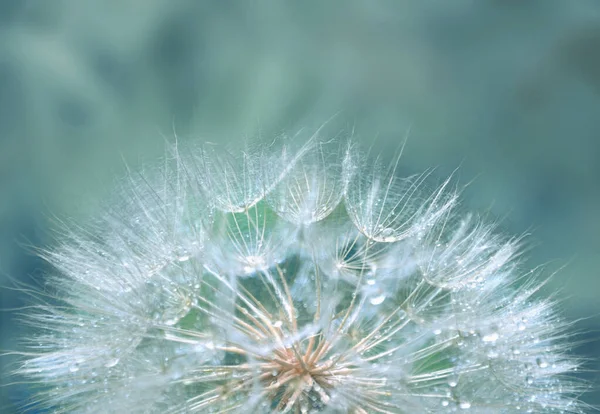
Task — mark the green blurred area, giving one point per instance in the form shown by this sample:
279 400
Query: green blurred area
508 90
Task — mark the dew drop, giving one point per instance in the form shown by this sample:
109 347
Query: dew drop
387 232
111 362
465 405
542 363
490 337
377 300
445 403
493 354
74 368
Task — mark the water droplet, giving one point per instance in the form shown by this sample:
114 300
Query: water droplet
492 337
542 363
521 326
493 354
278 324
445 403
465 405
111 362
74 368
377 300
453 381
183 258
529 380
387 232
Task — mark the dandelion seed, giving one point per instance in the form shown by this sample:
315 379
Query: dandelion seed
295 282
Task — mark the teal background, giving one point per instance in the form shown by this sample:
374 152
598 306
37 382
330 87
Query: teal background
507 90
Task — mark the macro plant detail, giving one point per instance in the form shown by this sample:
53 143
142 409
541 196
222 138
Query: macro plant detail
296 280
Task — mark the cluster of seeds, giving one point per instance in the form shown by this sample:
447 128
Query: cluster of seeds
301 281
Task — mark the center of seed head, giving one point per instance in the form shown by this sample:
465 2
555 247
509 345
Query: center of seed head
298 375
293 364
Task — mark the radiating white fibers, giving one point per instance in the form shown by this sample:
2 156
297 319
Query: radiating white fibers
302 281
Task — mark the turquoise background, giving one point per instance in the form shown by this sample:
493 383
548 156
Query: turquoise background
507 90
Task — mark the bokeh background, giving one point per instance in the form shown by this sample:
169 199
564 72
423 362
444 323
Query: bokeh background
508 90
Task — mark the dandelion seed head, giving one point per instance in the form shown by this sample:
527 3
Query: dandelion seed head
305 281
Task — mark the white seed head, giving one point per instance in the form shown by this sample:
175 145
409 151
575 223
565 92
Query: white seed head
275 281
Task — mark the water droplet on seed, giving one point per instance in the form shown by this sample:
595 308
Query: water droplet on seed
542 363
387 232
490 337
111 362
377 300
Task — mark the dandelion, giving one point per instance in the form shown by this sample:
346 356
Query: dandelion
292 281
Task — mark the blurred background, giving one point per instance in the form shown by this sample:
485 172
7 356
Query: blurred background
508 90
